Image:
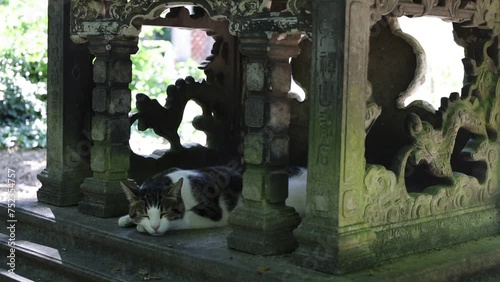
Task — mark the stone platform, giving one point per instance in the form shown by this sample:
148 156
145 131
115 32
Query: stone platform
61 244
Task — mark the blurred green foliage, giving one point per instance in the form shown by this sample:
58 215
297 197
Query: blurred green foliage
154 68
23 74
23 71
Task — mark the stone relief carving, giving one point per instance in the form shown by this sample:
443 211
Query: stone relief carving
129 15
480 13
298 6
487 14
396 239
381 8
476 113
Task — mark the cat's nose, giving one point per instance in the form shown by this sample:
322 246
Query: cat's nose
155 228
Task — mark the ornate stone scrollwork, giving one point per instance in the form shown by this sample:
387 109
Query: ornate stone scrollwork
381 8
476 113
125 18
299 6
480 13
486 15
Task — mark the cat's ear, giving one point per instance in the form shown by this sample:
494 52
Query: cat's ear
130 189
175 191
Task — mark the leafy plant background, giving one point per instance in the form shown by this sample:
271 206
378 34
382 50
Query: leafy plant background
23 73
23 76
154 68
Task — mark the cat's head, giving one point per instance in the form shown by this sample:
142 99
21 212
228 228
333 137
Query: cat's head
155 205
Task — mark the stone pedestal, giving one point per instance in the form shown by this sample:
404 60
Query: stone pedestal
68 112
110 153
264 225
333 236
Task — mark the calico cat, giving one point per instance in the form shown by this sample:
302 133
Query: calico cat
191 199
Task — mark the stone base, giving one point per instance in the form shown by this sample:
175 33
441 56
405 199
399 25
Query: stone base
333 251
62 190
103 198
263 229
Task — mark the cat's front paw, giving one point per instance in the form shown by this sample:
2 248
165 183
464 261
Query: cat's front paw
140 228
125 221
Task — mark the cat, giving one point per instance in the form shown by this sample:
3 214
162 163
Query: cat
191 199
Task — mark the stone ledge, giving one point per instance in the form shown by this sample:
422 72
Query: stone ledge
203 253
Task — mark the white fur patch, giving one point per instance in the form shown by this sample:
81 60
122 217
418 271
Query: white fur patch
125 221
186 190
297 192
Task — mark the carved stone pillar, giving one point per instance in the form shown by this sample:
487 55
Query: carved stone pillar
68 112
333 236
110 153
264 225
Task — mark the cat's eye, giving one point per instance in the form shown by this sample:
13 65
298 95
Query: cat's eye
145 216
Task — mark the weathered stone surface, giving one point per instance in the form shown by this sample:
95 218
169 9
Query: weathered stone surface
68 105
112 159
254 149
263 225
278 151
254 111
255 73
276 186
100 128
119 158
119 102
281 76
100 70
267 228
279 114
98 158
110 127
103 198
99 100
62 189
119 131
336 163
121 71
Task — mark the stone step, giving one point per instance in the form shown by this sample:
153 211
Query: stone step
6 276
43 263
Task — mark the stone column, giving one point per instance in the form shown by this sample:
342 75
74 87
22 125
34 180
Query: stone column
110 152
68 112
333 236
264 225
